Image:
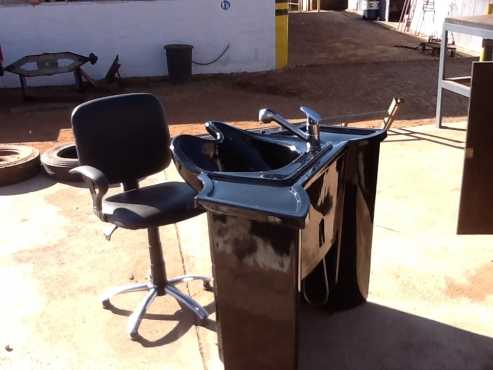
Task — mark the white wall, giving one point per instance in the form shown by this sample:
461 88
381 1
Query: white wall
137 31
356 6
426 24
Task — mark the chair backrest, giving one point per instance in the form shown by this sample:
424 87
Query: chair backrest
124 136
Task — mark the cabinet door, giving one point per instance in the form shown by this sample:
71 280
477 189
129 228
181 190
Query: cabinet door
476 199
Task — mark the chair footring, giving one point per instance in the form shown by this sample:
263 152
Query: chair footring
153 291
206 281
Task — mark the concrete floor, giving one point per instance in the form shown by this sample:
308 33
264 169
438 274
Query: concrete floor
431 293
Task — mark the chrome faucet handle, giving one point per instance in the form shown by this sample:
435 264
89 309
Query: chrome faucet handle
266 115
312 117
312 134
312 127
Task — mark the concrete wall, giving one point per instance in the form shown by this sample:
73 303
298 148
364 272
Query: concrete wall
137 31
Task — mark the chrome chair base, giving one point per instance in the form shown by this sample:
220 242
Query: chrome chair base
154 291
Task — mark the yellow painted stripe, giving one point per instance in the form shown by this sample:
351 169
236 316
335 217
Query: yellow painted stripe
487 50
281 36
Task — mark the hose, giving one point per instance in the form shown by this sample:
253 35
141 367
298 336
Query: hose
214 60
325 299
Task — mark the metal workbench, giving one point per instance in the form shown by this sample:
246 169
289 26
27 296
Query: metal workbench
481 26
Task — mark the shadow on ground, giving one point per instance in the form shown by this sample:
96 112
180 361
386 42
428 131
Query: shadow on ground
396 136
39 182
184 318
374 337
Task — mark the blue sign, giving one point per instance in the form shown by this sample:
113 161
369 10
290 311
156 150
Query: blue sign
225 5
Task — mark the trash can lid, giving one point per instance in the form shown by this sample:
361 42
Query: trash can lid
178 46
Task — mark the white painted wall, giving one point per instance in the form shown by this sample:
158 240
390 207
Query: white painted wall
426 24
354 5
357 6
137 31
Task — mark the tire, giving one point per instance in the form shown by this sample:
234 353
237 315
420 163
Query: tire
59 160
17 163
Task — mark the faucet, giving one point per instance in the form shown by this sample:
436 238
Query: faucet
312 134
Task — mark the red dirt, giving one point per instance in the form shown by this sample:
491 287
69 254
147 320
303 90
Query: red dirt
339 65
478 286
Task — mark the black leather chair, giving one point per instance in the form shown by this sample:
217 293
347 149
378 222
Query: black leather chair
122 139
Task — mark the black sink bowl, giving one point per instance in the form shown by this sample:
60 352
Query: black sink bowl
231 152
270 156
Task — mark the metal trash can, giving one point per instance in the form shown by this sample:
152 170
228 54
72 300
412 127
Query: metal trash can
276 236
370 9
179 60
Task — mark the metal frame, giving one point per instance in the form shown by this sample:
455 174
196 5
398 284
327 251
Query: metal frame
388 116
48 65
158 286
452 84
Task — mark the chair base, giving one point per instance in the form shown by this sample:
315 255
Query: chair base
154 291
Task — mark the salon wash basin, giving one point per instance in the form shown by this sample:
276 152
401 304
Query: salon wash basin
259 170
290 221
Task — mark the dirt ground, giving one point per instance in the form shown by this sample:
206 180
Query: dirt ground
338 64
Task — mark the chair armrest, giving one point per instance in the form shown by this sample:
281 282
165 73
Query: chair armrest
98 186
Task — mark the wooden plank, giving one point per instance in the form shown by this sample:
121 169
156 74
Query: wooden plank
476 200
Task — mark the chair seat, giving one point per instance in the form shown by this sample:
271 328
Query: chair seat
155 205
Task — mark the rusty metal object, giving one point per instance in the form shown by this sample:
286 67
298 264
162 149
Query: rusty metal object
113 73
48 64
475 216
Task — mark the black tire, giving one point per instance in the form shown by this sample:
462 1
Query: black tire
17 163
59 160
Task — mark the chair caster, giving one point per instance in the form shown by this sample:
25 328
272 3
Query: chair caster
199 321
208 286
106 304
134 336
